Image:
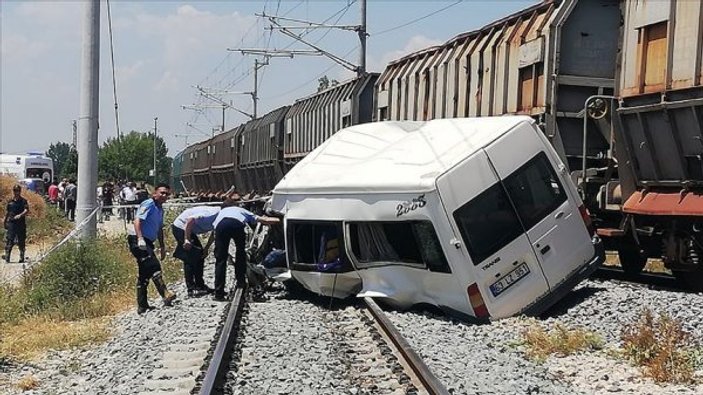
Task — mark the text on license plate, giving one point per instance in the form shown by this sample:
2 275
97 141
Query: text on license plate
509 279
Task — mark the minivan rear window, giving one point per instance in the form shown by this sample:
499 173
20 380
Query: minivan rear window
487 223
535 190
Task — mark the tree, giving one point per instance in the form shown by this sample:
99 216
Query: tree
325 82
59 152
69 169
131 158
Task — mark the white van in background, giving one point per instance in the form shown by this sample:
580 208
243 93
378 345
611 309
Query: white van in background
33 169
477 216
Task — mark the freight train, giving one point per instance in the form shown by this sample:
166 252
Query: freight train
616 86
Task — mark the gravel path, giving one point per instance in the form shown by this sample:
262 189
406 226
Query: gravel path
488 359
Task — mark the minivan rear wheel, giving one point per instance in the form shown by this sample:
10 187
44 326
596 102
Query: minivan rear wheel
632 257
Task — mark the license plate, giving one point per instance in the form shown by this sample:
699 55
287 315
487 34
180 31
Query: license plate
509 279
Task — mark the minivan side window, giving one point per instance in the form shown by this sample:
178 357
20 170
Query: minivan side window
535 190
487 223
316 246
411 243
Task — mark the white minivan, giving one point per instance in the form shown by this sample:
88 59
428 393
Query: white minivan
477 216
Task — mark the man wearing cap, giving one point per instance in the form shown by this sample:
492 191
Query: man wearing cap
148 226
15 213
229 224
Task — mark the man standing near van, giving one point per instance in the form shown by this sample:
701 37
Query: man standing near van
229 224
148 227
15 212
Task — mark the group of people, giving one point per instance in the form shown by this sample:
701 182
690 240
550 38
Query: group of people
64 195
123 193
225 223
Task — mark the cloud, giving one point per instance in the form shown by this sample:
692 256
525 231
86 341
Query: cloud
415 43
19 48
169 82
189 32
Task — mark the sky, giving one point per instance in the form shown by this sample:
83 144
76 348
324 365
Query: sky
163 50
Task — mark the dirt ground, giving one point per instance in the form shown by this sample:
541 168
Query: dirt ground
12 272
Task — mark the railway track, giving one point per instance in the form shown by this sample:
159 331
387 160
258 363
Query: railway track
659 281
364 352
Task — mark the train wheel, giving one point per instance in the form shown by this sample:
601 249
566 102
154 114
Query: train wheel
632 258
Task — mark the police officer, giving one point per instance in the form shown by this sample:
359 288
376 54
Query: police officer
229 224
16 211
148 226
186 228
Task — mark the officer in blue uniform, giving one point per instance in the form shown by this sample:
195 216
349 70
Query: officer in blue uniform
185 229
148 227
229 224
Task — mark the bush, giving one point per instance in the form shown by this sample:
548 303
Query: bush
74 272
560 341
661 346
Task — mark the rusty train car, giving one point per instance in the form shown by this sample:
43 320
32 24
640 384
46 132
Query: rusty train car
614 84
254 156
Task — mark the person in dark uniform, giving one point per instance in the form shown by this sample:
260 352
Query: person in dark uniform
229 224
148 227
16 211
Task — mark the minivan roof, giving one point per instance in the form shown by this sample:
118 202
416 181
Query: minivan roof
393 156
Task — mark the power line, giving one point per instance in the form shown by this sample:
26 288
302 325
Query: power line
417 19
112 61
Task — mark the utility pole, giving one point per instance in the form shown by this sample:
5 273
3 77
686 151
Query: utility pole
360 69
362 39
156 119
87 138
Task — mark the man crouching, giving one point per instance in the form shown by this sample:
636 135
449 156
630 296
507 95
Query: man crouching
148 226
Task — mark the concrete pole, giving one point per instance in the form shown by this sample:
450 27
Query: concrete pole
88 120
255 92
362 39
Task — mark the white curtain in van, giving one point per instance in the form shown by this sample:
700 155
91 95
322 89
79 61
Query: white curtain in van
373 244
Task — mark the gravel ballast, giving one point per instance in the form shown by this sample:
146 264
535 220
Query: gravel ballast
293 345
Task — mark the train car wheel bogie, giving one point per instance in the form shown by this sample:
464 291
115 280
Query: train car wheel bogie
632 257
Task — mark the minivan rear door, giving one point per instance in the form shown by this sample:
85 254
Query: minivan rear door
553 223
498 256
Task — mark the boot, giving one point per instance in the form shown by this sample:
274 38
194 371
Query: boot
21 256
8 252
166 295
142 299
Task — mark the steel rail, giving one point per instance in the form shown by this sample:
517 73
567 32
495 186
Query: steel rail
656 280
220 357
421 370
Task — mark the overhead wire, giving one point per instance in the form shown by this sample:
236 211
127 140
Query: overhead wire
417 19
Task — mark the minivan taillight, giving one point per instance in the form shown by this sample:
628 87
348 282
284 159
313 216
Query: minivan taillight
476 301
586 217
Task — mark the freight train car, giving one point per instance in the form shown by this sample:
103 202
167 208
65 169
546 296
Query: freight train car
261 152
660 136
313 119
548 61
202 180
223 160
